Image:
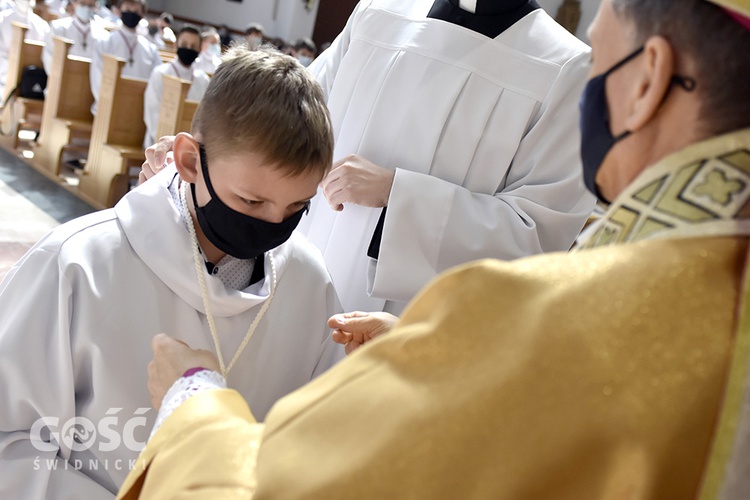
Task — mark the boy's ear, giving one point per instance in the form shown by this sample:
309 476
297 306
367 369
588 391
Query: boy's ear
186 157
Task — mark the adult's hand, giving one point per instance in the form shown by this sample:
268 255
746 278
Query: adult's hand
156 158
172 358
357 328
359 181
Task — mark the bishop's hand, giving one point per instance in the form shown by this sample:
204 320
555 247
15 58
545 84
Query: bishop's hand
172 358
156 158
357 328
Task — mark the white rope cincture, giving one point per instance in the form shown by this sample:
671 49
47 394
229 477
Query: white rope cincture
198 260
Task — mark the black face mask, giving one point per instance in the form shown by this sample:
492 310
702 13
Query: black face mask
596 135
187 55
130 19
235 233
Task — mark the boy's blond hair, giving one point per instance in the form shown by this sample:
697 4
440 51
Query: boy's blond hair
266 102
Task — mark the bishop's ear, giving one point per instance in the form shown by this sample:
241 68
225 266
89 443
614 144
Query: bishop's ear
652 83
187 156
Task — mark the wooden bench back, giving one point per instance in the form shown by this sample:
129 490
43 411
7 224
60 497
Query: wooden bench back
22 53
117 135
119 116
176 112
69 87
167 55
67 108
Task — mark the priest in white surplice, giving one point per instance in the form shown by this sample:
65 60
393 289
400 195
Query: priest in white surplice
474 107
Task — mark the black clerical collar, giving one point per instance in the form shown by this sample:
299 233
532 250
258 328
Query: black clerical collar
493 7
491 18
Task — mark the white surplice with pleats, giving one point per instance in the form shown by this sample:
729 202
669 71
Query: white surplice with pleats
482 134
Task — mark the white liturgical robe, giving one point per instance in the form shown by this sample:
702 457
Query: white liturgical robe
152 98
207 62
77 315
482 134
141 57
84 36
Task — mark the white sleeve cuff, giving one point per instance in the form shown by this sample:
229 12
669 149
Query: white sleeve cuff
183 389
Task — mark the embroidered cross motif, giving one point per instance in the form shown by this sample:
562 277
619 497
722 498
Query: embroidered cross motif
719 188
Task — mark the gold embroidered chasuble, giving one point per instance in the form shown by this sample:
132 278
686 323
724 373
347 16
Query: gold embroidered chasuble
616 371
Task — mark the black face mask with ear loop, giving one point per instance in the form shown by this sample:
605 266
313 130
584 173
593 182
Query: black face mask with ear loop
596 135
235 233
187 55
130 19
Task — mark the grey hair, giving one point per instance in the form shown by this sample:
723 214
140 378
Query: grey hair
716 43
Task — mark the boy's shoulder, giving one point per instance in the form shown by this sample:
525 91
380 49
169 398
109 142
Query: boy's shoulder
161 69
61 23
71 238
199 74
302 255
147 45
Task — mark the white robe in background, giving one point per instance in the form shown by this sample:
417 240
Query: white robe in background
38 29
77 315
56 7
73 29
207 62
482 133
155 89
145 58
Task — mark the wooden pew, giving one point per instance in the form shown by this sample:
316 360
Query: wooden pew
176 112
67 109
28 111
116 138
167 55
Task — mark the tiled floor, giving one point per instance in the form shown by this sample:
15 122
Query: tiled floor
30 205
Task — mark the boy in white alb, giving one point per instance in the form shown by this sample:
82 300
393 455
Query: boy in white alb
81 27
188 45
205 252
38 29
210 56
141 56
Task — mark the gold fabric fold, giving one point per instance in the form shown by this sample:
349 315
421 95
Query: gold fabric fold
599 384
598 374
726 446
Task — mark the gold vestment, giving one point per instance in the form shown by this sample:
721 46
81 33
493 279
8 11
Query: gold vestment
615 371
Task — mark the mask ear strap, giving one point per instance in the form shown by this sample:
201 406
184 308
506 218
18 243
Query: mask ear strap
622 63
204 169
192 193
686 82
622 136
